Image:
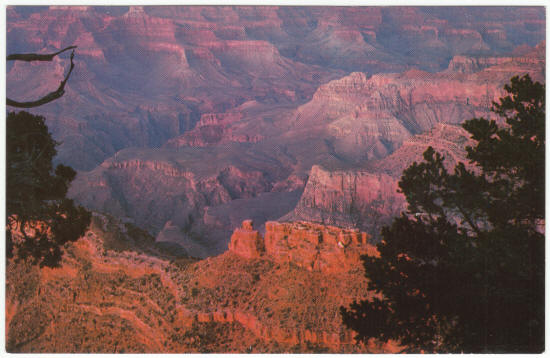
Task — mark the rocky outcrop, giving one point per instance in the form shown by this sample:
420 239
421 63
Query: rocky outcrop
246 241
218 118
317 247
210 129
449 140
208 135
466 64
365 117
301 309
368 198
351 198
314 247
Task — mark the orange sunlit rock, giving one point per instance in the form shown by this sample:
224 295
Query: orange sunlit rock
308 245
280 294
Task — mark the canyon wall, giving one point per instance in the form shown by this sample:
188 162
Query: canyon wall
352 198
170 195
177 117
328 148
117 291
368 198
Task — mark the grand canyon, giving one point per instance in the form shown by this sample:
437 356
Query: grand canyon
238 161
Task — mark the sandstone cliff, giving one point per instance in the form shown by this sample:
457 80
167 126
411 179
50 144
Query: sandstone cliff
246 241
313 247
368 198
464 64
352 198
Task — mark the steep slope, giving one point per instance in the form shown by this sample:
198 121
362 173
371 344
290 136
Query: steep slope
111 294
156 186
350 198
368 198
118 292
447 139
369 117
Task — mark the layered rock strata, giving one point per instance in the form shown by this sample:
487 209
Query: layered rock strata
368 198
310 246
118 291
162 94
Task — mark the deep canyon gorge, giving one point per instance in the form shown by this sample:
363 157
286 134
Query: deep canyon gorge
239 160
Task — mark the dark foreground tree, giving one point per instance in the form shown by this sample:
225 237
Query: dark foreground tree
40 219
463 269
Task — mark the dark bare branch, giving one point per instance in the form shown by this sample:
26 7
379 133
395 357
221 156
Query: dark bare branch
50 96
36 57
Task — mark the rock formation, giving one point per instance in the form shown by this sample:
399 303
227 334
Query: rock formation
352 198
447 139
368 198
246 241
317 247
465 64
157 186
313 247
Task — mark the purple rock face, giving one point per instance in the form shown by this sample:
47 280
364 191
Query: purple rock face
204 116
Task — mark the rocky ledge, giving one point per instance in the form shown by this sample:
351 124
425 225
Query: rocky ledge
314 247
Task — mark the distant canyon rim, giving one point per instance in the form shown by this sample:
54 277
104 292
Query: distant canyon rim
187 120
239 161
